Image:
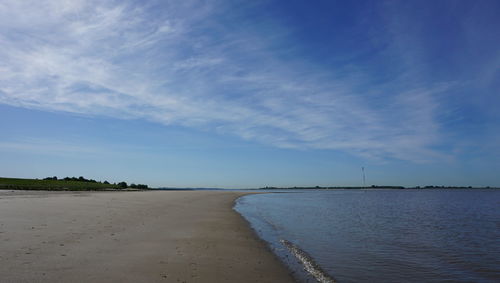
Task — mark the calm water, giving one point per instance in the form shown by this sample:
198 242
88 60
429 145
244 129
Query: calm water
384 235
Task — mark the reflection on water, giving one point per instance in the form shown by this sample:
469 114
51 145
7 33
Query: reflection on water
385 235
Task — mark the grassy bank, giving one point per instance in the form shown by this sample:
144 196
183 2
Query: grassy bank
52 185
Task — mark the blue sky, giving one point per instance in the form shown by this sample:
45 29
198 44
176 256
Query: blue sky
251 93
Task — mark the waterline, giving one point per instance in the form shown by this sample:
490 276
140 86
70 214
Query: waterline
308 262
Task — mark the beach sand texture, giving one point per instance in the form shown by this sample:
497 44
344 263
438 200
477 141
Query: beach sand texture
148 236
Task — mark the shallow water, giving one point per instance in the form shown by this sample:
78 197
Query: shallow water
384 235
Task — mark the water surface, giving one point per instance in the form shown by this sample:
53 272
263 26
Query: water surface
384 235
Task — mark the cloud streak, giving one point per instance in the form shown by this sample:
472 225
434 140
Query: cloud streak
181 67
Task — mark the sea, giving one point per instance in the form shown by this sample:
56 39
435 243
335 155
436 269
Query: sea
381 235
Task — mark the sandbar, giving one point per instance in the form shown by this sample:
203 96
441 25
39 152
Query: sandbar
144 236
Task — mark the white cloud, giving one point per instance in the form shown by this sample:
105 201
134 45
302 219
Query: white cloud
178 67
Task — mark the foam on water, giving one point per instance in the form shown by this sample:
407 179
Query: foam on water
308 262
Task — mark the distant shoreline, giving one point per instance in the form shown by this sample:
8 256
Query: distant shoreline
82 184
375 187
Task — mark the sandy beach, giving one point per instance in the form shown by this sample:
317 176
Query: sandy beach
148 236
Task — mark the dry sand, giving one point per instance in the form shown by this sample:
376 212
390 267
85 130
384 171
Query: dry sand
180 236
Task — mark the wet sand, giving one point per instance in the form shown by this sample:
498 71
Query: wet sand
179 236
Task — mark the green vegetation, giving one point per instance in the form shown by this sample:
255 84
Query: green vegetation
68 183
122 185
139 186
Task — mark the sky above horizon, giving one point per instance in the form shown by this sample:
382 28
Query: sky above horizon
242 94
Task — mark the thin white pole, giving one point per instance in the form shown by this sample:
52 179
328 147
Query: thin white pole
364 178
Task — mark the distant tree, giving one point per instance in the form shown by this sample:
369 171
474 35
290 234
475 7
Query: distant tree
133 185
142 186
122 185
106 182
81 178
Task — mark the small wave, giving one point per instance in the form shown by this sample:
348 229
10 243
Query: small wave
309 264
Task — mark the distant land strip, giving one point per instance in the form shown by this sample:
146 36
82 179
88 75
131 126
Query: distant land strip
374 187
83 184
65 184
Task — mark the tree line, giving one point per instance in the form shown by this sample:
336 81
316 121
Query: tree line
122 185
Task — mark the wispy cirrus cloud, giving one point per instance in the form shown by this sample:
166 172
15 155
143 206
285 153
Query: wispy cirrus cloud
182 65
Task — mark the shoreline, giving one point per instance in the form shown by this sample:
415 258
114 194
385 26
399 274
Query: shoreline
137 236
